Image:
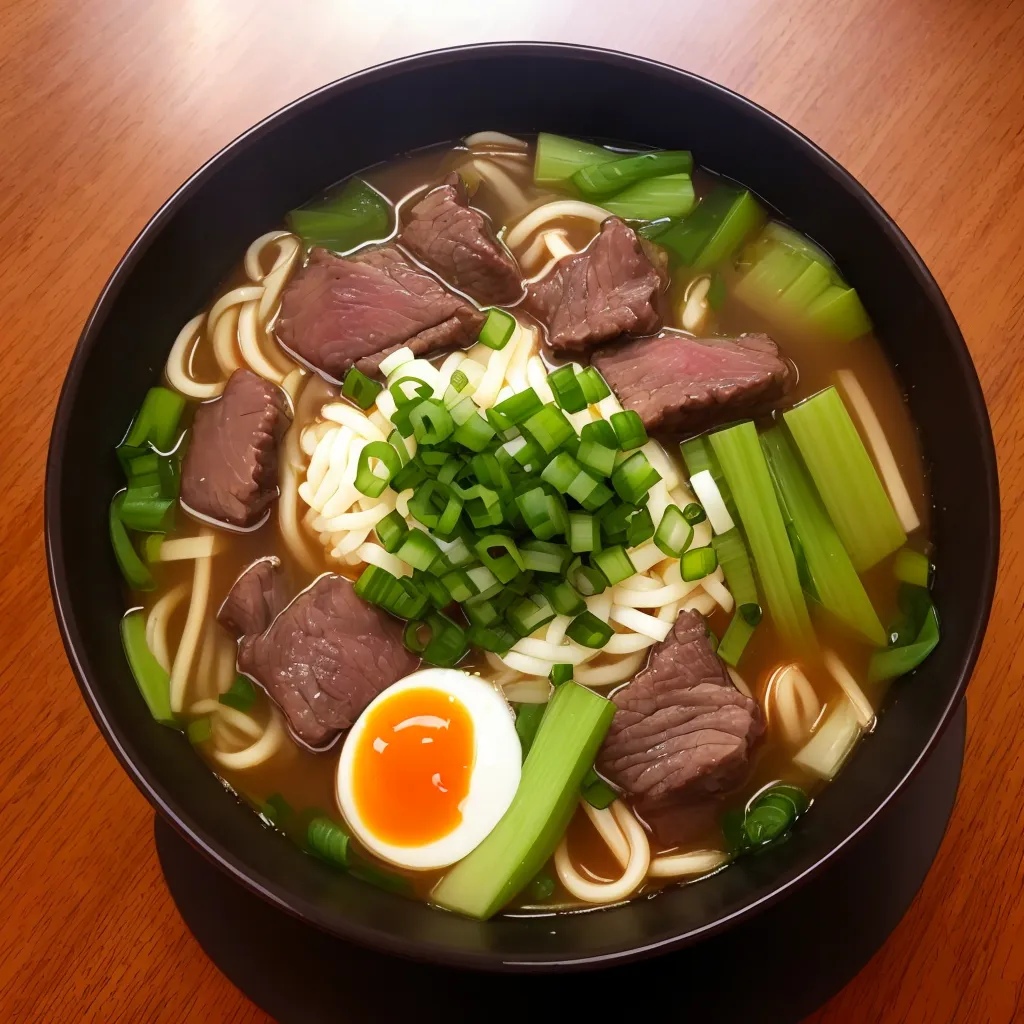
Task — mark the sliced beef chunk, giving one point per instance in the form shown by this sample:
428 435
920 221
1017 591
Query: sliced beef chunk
679 383
255 598
338 312
681 732
325 657
591 297
457 241
230 467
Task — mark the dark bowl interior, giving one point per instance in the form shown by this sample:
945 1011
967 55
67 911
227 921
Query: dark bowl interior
178 260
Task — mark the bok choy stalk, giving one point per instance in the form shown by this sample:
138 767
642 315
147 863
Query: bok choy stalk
846 478
739 452
562 752
835 580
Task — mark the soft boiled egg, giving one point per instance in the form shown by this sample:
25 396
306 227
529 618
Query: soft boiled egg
429 768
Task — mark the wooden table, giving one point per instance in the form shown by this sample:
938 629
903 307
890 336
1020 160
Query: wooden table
106 106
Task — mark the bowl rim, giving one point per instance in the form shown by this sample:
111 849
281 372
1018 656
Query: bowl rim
225 859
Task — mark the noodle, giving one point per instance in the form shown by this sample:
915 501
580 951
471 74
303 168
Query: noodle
634 869
183 658
553 211
262 750
156 624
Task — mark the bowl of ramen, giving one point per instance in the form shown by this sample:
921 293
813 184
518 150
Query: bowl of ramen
503 522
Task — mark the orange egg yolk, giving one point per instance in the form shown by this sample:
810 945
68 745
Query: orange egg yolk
412 768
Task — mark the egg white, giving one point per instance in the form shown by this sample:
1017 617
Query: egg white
494 777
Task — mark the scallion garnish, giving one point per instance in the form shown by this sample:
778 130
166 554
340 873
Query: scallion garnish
360 389
629 429
589 631
698 563
497 329
368 480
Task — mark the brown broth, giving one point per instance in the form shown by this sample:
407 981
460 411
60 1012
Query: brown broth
306 779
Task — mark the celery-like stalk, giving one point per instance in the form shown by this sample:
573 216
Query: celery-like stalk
846 478
559 158
739 452
831 743
570 733
715 230
835 580
152 679
670 195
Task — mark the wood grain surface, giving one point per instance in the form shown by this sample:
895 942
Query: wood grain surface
107 105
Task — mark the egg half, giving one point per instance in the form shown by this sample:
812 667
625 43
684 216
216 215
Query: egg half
429 768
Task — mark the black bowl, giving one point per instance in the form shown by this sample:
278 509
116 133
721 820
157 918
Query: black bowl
178 260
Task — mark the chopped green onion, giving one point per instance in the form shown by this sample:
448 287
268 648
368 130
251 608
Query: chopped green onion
606 177
912 567
634 478
391 531
738 450
590 493
406 599
598 793
436 506
497 329
639 528
827 567
900 659
276 809
463 410
431 422
345 219
459 585
199 731
694 513
571 731
589 631
475 434
543 556
717 291
566 388
558 158
548 428
696 453
584 532
409 477
520 406
150 676
674 533
544 513
134 570
459 381
417 389
560 472
437 593
369 481
599 432
496 638
530 614
734 640
697 563
629 429
418 549
560 674
846 478
156 425
596 457
360 389
505 566
595 387
615 564
586 578
481 610
143 509
458 553
445 645
328 841
241 695
375 584
563 598
541 889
